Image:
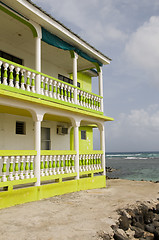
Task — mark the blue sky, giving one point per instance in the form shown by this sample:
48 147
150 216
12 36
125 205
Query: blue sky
128 32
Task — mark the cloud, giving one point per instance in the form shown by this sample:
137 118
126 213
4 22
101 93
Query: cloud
97 23
142 48
139 129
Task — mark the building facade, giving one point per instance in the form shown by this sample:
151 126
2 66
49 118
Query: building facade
47 108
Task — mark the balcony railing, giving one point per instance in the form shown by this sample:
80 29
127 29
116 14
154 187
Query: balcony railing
29 80
17 166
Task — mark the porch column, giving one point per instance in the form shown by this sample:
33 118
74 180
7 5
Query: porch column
38 120
100 80
102 146
75 57
38 62
76 146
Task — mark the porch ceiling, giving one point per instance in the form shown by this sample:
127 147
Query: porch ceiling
56 118
15 36
20 39
62 58
14 111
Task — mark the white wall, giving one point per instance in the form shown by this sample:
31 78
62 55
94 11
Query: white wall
29 60
58 142
9 140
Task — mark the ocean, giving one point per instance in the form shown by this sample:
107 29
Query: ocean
134 166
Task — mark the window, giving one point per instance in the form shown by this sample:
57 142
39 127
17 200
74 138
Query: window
83 134
45 138
20 128
67 80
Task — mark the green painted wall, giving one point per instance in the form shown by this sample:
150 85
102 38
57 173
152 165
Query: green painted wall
84 80
83 144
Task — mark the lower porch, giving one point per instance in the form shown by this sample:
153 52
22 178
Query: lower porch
57 174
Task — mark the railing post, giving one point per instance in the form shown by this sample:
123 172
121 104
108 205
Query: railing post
38 119
76 146
101 87
75 57
102 146
38 63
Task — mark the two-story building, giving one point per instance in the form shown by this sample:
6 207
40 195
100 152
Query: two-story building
47 108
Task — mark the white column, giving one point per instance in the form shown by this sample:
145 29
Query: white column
76 147
38 62
75 75
38 120
100 80
102 146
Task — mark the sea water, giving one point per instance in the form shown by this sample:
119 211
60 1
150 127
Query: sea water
134 166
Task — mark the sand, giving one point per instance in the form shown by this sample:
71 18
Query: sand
81 215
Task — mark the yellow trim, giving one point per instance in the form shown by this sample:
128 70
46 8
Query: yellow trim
53 104
20 19
58 176
91 152
17 152
30 194
58 152
17 182
93 171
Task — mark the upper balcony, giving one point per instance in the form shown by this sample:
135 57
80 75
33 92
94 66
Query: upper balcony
36 50
20 79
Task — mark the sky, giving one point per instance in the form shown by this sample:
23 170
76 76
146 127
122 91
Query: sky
127 31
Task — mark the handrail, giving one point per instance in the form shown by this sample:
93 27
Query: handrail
17 152
58 152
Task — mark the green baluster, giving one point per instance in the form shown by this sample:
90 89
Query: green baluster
65 93
33 83
5 73
46 87
94 162
16 168
42 166
58 165
46 166
42 85
62 164
11 67
50 88
28 81
62 93
54 166
4 169
69 89
72 96
69 163
0 71
54 89
83 162
50 165
17 77
22 80
31 167
22 167
58 90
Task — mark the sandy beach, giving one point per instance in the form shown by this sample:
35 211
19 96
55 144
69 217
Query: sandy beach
81 215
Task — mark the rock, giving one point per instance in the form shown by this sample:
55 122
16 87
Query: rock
157 208
139 225
138 232
156 224
150 228
119 236
156 234
148 236
130 233
124 222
